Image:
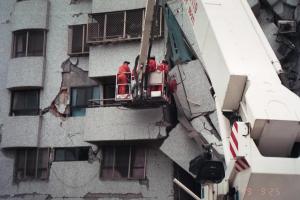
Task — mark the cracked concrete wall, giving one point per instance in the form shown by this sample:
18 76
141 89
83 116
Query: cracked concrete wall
104 124
71 178
80 180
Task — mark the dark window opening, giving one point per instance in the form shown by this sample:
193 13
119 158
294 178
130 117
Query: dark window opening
109 87
77 40
186 179
80 98
71 154
29 43
32 163
25 102
123 162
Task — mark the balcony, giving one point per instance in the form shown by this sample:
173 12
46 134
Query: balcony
30 14
119 124
25 72
21 131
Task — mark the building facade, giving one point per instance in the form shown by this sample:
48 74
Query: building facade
59 138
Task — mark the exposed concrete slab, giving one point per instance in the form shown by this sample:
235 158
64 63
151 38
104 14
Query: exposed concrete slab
21 131
193 91
118 123
110 6
30 14
203 127
180 147
25 72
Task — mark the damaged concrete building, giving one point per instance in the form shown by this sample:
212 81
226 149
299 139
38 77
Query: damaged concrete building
62 134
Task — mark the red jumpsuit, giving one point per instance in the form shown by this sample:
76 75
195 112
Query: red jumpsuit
151 67
123 74
163 67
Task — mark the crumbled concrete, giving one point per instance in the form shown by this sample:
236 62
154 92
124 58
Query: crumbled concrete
72 76
180 147
193 89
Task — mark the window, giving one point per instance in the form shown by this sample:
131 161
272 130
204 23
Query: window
80 99
71 154
25 102
109 87
32 163
123 162
120 26
29 43
77 40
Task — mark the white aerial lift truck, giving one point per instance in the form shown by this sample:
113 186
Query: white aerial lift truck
244 73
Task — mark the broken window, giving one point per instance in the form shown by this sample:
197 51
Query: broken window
29 43
123 162
71 154
77 40
80 98
25 102
32 163
120 26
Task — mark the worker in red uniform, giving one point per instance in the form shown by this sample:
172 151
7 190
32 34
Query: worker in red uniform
163 67
151 67
123 77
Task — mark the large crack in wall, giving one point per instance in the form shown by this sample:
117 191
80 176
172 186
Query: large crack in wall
72 76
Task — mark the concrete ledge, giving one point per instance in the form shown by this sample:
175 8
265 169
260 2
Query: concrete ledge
20 131
110 6
119 124
25 72
30 14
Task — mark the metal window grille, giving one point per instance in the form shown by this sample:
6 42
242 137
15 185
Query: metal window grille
121 26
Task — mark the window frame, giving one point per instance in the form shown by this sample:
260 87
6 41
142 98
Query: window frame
26 54
36 164
105 39
80 106
12 110
84 43
129 159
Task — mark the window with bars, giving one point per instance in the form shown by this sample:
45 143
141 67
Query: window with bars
25 102
29 43
121 26
77 40
32 163
71 154
80 97
123 162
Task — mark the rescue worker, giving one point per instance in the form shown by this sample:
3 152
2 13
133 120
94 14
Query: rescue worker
151 67
123 78
163 67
